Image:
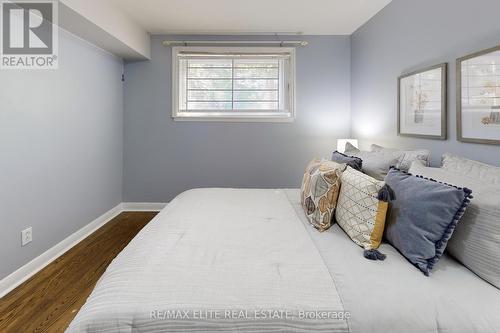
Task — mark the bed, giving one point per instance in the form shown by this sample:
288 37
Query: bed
246 260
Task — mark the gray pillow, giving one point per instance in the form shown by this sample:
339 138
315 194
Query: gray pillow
481 172
476 240
422 216
407 156
375 164
354 162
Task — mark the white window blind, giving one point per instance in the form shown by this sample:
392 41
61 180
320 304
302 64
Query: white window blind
228 83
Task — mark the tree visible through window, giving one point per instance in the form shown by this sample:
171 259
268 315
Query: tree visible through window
256 84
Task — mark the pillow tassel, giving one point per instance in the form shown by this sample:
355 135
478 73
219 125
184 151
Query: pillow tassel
386 194
374 254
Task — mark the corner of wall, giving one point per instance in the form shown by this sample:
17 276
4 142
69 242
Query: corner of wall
351 90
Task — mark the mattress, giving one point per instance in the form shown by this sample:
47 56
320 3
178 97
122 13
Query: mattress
217 260
253 250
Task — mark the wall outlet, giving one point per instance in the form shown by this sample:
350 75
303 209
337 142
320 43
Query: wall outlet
26 236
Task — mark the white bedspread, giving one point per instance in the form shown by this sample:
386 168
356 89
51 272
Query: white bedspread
211 251
220 249
393 296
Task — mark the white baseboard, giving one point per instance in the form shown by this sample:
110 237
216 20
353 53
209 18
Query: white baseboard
143 206
10 282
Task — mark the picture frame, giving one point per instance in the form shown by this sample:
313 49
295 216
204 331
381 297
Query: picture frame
478 97
422 103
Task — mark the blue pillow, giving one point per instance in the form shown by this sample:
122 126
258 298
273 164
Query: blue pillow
422 216
352 161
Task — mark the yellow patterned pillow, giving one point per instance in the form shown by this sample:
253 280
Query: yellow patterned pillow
320 190
361 210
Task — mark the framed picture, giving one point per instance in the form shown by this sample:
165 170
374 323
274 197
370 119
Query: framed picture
422 107
478 97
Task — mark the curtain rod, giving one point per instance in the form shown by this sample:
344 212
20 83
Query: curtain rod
197 42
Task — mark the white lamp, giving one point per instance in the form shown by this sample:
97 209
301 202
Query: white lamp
342 142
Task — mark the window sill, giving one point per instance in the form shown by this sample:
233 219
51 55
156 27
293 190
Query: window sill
278 118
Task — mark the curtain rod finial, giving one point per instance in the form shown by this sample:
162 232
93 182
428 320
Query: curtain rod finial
304 43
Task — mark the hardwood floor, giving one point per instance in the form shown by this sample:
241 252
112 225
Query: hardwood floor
49 300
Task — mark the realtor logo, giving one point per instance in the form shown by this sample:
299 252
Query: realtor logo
29 35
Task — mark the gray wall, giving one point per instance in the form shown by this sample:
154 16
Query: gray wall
408 35
60 149
163 157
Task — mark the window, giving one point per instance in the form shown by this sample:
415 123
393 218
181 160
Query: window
233 83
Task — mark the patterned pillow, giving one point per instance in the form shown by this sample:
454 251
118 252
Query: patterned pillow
320 190
352 161
361 210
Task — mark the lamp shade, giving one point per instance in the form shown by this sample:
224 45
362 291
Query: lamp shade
342 142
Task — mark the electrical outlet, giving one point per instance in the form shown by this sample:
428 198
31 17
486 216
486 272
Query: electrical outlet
26 236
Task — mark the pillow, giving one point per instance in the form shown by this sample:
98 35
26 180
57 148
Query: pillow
476 239
407 156
473 169
360 210
320 190
352 161
422 216
375 164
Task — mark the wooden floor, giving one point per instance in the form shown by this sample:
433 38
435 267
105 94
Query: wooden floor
49 300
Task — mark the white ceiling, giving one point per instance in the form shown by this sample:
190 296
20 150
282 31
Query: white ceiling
309 17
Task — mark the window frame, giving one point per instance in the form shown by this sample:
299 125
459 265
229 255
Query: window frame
254 116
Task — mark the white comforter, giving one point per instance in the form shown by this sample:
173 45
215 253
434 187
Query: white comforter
219 249
215 260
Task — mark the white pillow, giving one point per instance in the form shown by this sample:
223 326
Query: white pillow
481 172
375 164
476 239
407 156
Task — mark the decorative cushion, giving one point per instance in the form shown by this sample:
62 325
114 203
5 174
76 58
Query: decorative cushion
473 169
375 164
360 212
407 156
352 161
423 216
320 190
476 240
